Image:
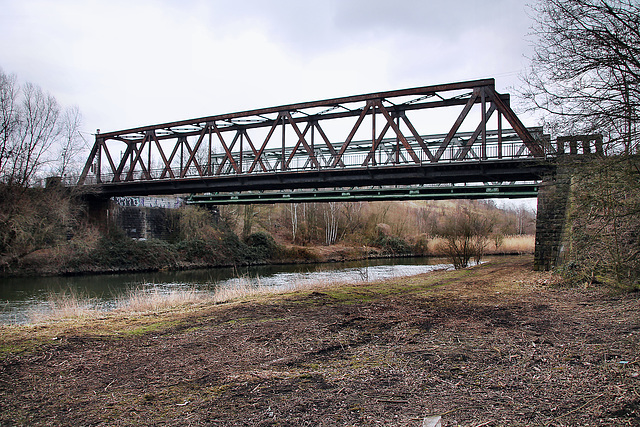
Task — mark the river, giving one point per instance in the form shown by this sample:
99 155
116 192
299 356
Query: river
21 296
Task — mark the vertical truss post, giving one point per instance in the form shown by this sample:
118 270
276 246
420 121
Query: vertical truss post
373 136
99 163
397 139
483 103
313 142
499 135
241 152
132 166
210 126
284 154
181 141
151 135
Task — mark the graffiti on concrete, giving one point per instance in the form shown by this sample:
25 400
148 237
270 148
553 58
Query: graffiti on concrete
150 202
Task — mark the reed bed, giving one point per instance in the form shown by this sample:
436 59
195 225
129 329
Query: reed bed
509 245
244 288
520 244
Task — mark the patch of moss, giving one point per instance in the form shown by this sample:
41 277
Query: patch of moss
148 328
238 321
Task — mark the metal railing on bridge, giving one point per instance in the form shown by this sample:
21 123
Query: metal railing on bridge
391 153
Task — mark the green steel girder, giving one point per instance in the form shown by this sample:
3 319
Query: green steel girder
488 191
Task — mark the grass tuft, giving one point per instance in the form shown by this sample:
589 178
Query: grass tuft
142 301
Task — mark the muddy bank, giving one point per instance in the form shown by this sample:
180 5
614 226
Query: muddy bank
495 345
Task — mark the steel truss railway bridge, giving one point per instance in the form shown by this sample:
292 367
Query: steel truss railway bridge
377 146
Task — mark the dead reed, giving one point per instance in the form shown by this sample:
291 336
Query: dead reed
67 304
139 300
519 244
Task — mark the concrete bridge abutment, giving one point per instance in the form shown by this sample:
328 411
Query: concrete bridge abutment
554 195
553 198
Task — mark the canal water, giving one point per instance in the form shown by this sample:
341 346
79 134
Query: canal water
21 296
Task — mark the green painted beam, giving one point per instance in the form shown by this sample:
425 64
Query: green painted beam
511 191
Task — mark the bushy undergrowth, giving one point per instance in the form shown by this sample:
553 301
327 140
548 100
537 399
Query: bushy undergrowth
263 245
118 252
603 225
33 218
393 245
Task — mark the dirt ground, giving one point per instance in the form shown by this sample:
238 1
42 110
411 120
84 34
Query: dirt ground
496 345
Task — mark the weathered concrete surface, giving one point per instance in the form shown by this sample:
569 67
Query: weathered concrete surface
553 198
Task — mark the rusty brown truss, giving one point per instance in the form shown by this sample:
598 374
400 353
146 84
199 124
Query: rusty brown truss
296 138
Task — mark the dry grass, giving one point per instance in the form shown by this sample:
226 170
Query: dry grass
65 305
510 245
144 301
523 244
70 305
245 289
241 289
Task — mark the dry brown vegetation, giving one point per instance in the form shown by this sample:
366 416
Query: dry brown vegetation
495 345
357 223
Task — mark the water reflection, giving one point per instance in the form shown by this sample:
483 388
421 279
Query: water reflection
19 296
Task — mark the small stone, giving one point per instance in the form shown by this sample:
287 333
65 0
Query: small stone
433 421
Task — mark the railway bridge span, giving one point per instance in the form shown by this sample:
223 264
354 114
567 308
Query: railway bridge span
456 140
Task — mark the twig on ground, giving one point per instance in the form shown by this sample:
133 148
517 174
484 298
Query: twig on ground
391 401
574 410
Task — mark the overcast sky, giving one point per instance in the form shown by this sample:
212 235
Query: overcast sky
128 63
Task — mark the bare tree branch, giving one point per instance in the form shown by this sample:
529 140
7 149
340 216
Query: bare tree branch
585 71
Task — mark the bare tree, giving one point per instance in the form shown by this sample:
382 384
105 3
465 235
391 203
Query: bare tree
248 220
585 70
330 213
466 236
71 142
293 211
36 134
586 73
9 116
353 218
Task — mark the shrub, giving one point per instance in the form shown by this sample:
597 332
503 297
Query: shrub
421 245
466 235
392 245
263 244
195 223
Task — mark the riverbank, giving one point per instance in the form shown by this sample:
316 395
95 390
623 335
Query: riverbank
497 344
119 254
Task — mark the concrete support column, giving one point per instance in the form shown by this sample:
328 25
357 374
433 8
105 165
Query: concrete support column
553 198
97 210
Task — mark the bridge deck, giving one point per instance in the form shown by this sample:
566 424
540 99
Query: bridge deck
506 170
